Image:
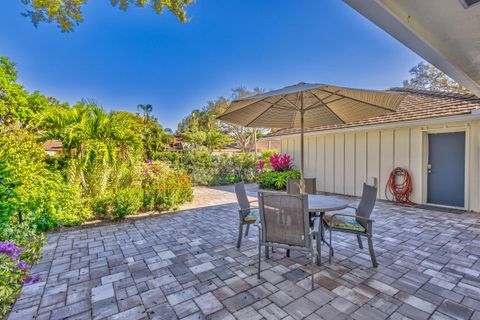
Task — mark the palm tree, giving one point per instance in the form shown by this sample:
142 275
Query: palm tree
96 142
147 110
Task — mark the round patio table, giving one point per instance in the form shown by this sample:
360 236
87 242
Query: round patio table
321 204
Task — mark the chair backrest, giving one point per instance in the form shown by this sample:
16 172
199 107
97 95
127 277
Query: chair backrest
242 197
367 203
284 218
293 186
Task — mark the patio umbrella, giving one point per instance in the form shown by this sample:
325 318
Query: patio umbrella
307 105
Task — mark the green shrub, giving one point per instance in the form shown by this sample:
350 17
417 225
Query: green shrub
206 169
43 196
165 188
101 206
276 180
126 202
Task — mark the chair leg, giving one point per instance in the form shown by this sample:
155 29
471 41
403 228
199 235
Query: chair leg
259 254
240 234
287 254
267 252
360 244
330 252
372 253
246 231
319 250
314 258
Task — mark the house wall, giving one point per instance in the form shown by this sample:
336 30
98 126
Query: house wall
343 161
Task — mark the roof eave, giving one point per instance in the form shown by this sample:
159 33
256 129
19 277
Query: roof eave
382 16
474 115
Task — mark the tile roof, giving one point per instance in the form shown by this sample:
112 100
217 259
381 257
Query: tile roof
417 105
53 145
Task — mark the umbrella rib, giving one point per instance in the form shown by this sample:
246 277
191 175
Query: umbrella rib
261 114
328 108
283 98
225 113
357 100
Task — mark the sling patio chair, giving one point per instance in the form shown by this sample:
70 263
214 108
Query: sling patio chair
359 224
247 214
284 223
293 186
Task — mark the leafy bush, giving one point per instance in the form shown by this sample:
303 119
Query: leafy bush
207 169
101 206
20 247
164 188
276 180
126 202
43 196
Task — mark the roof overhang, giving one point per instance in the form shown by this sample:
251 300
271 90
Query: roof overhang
473 116
446 33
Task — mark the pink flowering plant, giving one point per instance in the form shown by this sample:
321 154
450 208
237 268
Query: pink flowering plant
281 162
275 170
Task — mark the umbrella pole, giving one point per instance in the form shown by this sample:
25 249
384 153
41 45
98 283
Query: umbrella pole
302 146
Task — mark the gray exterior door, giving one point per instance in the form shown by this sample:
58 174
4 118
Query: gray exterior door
446 169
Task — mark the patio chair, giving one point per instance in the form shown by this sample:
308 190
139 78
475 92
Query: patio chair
284 223
247 214
359 224
293 186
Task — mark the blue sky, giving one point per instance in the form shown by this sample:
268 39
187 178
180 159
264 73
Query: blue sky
122 59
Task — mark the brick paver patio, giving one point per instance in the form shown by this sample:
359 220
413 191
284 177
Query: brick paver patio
185 266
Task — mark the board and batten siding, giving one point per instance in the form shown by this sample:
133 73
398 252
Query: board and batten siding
342 162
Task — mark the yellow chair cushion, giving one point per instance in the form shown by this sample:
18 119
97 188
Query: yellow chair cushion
343 222
252 216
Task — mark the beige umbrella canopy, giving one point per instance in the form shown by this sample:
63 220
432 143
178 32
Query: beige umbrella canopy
307 105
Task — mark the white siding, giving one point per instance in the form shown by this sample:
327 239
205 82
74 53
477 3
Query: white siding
329 170
349 177
321 163
360 162
342 162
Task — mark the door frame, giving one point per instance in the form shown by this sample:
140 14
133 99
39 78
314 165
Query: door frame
425 132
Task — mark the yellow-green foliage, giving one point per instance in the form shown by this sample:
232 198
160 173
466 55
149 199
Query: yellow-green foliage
42 195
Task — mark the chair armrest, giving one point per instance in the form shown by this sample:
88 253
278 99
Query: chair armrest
352 207
246 210
253 201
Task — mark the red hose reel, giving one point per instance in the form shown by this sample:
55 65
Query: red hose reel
400 186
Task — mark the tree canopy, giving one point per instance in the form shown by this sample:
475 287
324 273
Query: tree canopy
68 13
201 127
426 77
17 106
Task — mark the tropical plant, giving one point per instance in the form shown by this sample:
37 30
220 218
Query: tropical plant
280 162
276 180
97 143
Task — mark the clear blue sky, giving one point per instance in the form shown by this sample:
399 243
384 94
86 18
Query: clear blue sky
122 59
